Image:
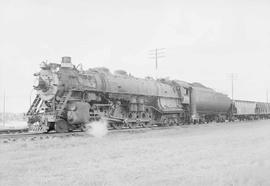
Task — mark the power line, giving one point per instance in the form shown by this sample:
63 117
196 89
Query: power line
157 54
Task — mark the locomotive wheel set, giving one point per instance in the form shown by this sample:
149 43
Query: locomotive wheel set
68 98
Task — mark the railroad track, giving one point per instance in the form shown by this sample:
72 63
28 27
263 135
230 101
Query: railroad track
28 136
9 135
13 131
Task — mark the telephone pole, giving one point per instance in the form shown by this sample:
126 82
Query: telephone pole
30 98
156 54
266 95
4 109
232 77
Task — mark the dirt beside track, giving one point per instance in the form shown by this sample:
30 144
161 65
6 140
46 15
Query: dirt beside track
213 154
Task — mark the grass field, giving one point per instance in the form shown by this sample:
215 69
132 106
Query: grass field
214 154
13 124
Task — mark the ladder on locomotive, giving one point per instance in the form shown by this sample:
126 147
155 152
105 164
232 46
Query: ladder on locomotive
34 106
63 102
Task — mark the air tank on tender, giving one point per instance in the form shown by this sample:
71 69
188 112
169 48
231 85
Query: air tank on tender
206 101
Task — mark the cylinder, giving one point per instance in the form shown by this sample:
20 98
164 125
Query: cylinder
78 113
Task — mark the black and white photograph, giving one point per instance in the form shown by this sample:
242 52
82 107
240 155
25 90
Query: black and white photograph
134 93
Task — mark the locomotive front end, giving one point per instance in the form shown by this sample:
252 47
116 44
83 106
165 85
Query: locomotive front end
42 113
61 97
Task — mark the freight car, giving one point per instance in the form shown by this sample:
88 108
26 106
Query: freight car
262 110
244 110
68 98
250 110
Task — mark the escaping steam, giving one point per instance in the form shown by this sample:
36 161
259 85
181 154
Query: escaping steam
97 128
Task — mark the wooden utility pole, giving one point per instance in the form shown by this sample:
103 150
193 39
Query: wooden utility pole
232 77
4 109
30 98
156 54
266 95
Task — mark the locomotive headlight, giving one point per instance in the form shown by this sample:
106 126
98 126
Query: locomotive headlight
47 83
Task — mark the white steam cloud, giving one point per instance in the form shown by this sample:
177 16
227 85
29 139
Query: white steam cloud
97 128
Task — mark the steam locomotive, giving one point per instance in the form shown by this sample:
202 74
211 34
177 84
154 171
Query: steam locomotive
68 98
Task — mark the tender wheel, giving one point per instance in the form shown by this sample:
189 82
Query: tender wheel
165 122
61 126
172 122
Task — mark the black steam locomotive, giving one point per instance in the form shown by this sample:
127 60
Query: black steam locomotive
68 97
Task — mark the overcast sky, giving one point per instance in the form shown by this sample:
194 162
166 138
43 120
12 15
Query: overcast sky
205 41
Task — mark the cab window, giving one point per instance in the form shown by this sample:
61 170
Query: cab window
186 91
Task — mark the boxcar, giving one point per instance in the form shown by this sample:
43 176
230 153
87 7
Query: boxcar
262 109
244 109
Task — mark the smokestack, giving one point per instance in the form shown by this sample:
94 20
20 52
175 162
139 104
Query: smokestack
66 62
66 59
